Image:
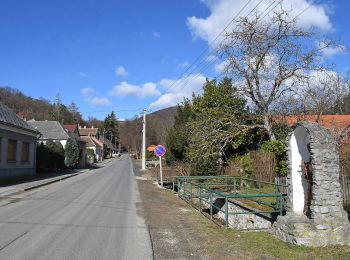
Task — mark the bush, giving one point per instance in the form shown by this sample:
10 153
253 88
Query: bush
50 156
203 167
278 149
244 161
71 153
90 154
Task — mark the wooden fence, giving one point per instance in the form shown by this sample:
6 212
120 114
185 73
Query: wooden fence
345 185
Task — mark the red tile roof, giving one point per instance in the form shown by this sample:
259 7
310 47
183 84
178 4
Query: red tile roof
71 128
328 121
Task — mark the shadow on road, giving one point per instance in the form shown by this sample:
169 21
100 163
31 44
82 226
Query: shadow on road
43 176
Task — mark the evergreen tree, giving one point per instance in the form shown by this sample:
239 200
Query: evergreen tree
219 126
111 128
71 153
177 139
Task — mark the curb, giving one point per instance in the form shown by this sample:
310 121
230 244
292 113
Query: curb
49 182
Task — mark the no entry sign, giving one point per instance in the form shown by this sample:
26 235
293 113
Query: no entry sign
159 150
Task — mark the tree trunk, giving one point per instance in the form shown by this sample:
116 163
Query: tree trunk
268 126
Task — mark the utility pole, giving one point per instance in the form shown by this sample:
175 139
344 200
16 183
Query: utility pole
144 141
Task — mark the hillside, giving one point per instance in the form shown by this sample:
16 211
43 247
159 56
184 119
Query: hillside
157 125
38 109
158 122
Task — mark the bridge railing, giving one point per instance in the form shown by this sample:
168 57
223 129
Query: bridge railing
215 193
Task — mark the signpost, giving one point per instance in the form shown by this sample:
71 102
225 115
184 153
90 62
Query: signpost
160 151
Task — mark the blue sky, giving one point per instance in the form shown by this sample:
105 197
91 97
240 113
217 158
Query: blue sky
125 55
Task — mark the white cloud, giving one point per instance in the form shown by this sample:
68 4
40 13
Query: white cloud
98 101
156 34
177 90
140 91
220 67
329 52
222 11
183 65
87 91
121 71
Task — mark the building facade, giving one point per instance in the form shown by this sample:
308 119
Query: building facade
17 146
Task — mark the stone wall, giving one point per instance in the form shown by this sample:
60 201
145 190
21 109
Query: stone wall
328 224
249 221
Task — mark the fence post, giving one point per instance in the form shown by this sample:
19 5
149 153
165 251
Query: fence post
190 192
281 204
200 198
226 211
211 205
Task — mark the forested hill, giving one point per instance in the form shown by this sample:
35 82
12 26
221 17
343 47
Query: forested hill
39 109
158 123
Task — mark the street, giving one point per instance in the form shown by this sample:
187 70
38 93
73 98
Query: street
89 216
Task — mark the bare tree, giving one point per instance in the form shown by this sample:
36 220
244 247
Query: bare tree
73 109
267 57
322 92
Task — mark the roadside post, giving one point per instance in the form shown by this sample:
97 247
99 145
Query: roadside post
160 151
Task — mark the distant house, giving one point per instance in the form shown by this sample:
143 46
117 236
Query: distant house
73 131
17 145
91 137
110 147
95 145
50 130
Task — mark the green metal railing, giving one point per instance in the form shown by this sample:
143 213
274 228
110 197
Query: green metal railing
267 197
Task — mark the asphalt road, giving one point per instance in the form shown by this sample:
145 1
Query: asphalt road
89 216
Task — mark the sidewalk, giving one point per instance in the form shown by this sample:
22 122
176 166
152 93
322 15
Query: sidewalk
40 180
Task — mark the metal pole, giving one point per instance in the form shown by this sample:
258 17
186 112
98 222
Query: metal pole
144 141
226 211
211 205
160 171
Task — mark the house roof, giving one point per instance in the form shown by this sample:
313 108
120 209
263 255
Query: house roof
328 121
96 141
71 128
88 131
50 129
9 117
108 143
89 141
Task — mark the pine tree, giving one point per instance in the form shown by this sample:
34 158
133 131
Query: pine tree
71 153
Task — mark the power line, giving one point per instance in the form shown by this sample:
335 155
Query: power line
205 66
212 42
206 63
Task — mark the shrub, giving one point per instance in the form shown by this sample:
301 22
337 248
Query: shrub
244 161
90 154
71 153
278 149
50 156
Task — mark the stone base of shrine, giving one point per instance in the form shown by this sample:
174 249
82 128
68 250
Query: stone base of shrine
300 230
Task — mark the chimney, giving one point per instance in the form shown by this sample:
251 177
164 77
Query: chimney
84 126
92 127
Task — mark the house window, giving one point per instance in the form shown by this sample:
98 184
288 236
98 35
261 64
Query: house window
11 150
25 152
